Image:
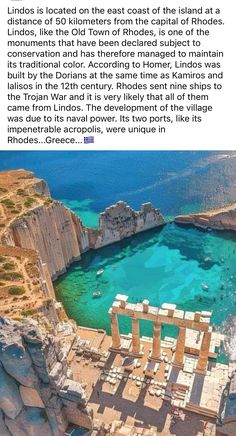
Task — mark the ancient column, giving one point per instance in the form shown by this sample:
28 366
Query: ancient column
135 335
156 344
180 346
115 334
203 353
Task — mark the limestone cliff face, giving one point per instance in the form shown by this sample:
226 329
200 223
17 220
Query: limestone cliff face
60 238
36 395
220 219
120 221
54 231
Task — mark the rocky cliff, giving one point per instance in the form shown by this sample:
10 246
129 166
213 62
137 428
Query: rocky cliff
52 230
36 393
60 237
120 221
55 232
220 219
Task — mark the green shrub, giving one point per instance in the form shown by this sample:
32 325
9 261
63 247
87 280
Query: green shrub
28 312
2 259
16 290
10 275
8 266
48 202
21 192
3 190
29 202
8 203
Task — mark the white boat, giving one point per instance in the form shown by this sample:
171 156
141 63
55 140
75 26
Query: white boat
100 272
205 287
207 259
97 294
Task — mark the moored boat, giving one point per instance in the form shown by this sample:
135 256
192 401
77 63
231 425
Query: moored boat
97 294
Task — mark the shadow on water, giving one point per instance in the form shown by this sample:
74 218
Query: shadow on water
189 240
110 254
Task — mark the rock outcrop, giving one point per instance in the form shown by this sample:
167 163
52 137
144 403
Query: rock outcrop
36 396
219 219
10 399
120 221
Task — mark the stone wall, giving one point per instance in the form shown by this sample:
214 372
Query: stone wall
36 396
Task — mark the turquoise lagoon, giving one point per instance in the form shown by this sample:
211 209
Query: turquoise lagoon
174 264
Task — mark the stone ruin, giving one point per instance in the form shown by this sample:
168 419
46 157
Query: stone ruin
167 314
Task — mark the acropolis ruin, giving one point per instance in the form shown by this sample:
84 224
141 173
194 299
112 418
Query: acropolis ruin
167 314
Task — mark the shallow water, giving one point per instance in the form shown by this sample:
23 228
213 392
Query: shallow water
173 264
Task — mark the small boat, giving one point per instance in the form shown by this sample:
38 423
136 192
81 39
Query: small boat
100 272
205 287
97 294
207 259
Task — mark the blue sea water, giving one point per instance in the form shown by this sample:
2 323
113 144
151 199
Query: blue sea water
89 181
164 265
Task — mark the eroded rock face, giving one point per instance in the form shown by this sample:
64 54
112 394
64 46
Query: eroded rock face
120 221
34 383
32 421
16 362
220 219
3 428
52 232
14 357
10 399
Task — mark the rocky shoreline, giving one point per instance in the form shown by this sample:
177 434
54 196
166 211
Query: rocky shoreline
218 219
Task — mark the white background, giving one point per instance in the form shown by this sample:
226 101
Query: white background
216 132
